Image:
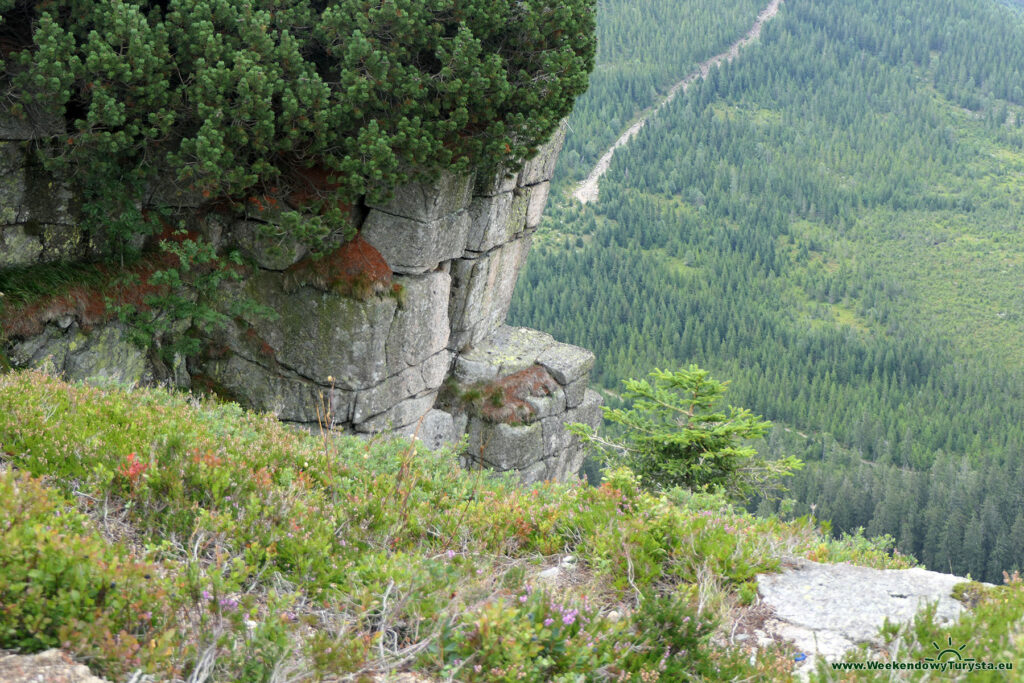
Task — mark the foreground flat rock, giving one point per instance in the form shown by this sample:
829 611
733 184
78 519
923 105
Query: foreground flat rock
52 666
826 610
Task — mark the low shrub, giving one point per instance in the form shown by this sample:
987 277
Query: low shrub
62 585
533 636
271 550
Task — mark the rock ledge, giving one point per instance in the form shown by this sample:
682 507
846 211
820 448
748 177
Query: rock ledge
827 610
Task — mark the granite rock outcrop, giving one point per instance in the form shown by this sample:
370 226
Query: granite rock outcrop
385 332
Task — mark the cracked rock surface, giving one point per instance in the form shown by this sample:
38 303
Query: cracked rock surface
52 666
826 610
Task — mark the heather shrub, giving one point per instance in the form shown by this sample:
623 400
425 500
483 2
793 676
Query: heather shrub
272 552
532 636
63 585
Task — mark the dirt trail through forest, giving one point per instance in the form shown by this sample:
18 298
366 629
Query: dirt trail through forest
587 190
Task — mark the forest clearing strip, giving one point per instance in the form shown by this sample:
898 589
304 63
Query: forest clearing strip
588 189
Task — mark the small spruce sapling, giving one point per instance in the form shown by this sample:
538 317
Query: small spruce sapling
676 433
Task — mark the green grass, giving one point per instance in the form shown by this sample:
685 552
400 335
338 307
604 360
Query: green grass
24 284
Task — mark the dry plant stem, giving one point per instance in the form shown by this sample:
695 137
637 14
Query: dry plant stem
402 497
384 616
204 667
325 420
409 654
706 588
629 575
461 517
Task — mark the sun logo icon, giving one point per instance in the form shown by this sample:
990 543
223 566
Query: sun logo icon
949 654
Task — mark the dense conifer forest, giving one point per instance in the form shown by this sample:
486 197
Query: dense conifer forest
832 221
645 48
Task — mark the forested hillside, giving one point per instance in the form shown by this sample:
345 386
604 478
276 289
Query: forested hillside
643 49
834 222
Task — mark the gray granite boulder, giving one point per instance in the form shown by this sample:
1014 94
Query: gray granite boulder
51 666
482 291
526 432
538 199
369 334
420 327
436 430
415 246
427 201
496 220
18 248
827 610
505 447
488 185
399 417
508 350
103 354
319 334
566 363
557 438
547 406
411 382
290 398
12 183
542 166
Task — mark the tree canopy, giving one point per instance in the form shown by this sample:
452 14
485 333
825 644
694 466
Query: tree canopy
265 101
832 221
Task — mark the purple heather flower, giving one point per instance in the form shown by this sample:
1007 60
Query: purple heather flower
207 596
569 617
228 603
450 554
549 621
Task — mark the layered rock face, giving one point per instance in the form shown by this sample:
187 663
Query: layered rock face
366 338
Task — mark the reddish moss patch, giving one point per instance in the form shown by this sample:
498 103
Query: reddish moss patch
504 399
355 268
90 304
259 343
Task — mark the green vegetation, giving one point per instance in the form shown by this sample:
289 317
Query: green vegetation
257 104
832 221
157 296
61 582
148 530
642 50
289 113
675 434
25 285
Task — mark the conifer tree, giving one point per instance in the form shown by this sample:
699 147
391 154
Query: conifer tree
676 434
